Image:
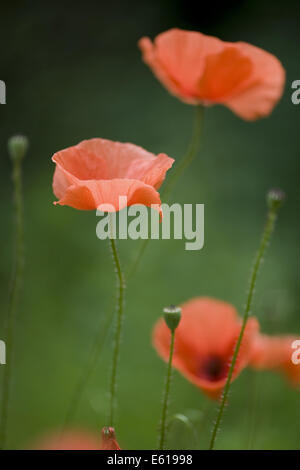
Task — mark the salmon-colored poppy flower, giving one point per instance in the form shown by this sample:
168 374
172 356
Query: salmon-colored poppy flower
275 353
80 440
99 171
202 69
204 343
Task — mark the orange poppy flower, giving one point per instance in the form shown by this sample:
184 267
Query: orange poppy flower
99 171
79 440
275 353
204 343
203 69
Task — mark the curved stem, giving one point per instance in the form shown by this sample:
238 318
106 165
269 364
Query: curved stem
172 180
269 227
163 423
188 157
88 369
118 331
13 297
133 268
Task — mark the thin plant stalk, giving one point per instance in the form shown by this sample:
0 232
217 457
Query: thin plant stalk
164 414
88 369
95 352
172 180
134 267
118 328
16 282
172 316
274 203
188 158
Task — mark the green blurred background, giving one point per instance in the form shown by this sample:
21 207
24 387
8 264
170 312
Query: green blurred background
73 71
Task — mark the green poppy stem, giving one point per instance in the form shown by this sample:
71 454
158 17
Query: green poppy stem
173 178
87 371
188 158
275 198
17 148
163 424
172 316
118 330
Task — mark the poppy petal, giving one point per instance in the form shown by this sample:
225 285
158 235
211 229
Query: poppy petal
275 353
89 195
263 89
70 440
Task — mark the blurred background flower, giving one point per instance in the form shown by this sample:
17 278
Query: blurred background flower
275 353
202 69
79 440
205 341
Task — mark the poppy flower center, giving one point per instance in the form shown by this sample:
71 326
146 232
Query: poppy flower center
213 368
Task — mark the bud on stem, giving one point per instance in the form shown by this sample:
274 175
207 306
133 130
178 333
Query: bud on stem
172 316
17 147
275 198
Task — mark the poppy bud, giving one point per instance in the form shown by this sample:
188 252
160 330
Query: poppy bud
17 147
275 198
109 441
172 316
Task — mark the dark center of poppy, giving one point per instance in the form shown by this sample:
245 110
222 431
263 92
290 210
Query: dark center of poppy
213 368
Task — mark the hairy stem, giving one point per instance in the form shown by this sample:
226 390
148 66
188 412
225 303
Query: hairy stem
164 414
16 282
269 227
118 330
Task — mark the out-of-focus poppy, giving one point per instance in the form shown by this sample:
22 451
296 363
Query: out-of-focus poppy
204 343
80 440
276 353
202 69
99 171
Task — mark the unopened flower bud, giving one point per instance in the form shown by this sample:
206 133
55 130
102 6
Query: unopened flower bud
172 316
17 147
275 198
109 441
